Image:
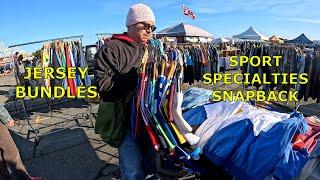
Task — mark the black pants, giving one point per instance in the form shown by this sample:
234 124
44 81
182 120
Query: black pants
189 78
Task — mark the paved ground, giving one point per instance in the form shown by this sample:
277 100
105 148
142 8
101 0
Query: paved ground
65 151
72 152
7 83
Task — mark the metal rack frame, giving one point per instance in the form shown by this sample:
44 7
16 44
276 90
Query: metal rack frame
36 131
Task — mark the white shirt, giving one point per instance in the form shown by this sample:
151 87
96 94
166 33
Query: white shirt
223 114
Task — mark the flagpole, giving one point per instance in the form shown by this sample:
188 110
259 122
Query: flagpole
182 12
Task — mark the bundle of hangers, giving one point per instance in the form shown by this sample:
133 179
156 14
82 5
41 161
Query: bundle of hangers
157 105
65 54
294 60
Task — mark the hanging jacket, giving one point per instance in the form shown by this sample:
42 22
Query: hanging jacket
303 87
77 64
314 77
83 64
204 56
63 64
300 67
56 63
308 87
45 64
71 82
318 82
188 59
73 64
172 55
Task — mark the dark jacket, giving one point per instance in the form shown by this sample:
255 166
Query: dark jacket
118 57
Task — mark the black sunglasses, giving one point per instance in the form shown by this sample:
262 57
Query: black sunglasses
147 26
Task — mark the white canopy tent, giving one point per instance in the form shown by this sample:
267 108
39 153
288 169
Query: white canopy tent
251 34
184 29
186 32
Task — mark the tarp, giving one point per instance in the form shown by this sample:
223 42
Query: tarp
237 40
220 40
275 39
302 39
251 34
316 42
183 29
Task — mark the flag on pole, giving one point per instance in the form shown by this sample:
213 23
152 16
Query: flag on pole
188 12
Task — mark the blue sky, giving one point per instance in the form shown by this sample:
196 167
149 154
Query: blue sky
32 20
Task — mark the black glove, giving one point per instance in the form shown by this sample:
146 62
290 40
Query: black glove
123 83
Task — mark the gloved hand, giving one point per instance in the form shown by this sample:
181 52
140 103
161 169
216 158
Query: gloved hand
125 82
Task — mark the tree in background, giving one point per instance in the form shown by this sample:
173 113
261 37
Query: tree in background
37 54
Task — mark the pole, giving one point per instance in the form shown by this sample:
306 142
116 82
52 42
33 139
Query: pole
182 12
35 42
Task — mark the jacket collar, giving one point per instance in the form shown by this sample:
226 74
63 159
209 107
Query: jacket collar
126 38
122 37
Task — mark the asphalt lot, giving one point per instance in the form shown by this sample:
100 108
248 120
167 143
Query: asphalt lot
65 150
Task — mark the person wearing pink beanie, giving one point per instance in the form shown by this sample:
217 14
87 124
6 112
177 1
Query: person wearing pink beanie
116 77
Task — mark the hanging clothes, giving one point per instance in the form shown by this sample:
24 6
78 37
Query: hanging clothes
314 77
71 82
77 64
83 64
46 63
66 55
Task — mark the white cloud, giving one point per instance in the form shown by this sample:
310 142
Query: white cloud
305 20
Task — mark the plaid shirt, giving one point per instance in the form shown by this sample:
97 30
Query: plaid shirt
4 115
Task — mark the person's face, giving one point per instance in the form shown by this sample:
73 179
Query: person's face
142 31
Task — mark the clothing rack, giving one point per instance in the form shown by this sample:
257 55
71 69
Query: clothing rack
43 41
191 44
76 118
286 104
99 35
103 34
100 38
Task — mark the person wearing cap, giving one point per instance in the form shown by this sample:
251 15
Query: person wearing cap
116 75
